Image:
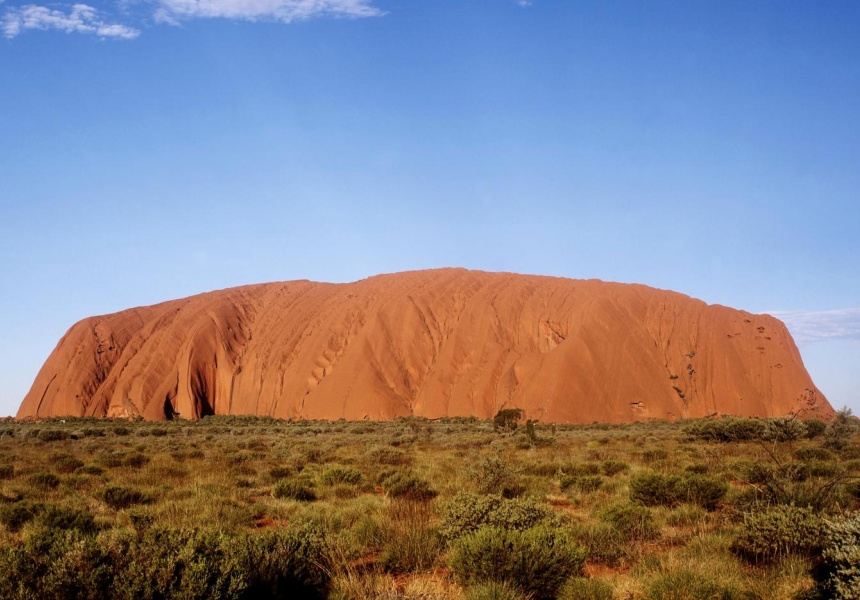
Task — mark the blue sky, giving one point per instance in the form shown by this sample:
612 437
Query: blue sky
152 149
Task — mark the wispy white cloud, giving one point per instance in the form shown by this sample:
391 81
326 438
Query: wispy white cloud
284 11
80 18
524 3
817 326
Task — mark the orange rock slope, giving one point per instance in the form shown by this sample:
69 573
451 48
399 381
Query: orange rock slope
447 342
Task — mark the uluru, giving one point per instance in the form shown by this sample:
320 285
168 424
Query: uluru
436 343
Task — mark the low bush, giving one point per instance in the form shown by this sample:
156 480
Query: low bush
388 457
815 428
406 486
466 513
696 469
53 435
119 497
67 464
838 575
657 489
91 470
294 490
536 560
701 490
779 531
654 489
338 474
632 521
727 429
16 515
611 467
186 564
44 481
63 517
135 461
492 475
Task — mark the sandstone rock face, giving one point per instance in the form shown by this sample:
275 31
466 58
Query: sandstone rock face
446 342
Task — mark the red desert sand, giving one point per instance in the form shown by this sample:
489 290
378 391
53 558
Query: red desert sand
447 342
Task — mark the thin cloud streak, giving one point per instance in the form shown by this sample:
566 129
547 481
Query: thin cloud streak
809 327
80 18
284 11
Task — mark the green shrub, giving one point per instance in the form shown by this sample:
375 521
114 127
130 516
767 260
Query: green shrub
838 575
702 490
63 517
294 490
727 429
815 428
55 565
779 531
292 563
14 516
466 513
161 564
697 469
67 464
93 432
536 560
135 461
338 474
91 470
611 467
654 489
840 431
507 418
53 435
580 588
44 481
118 497
388 456
631 521
658 489
407 486
492 475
